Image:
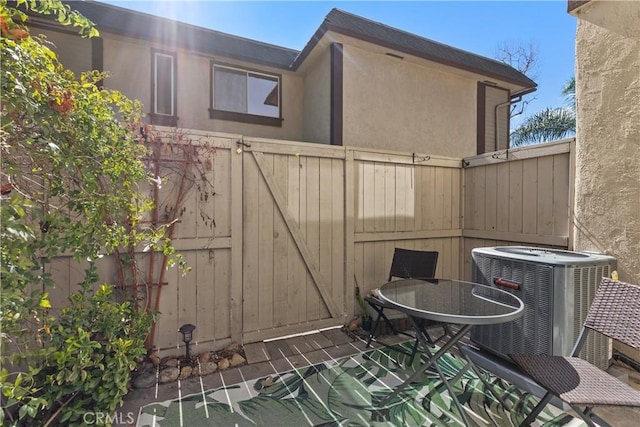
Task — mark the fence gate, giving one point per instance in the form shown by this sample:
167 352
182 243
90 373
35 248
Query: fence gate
293 239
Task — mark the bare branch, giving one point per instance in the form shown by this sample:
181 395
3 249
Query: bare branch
522 57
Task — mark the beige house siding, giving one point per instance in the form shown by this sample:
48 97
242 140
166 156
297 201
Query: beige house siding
128 63
388 99
494 97
129 66
126 59
396 104
74 52
317 101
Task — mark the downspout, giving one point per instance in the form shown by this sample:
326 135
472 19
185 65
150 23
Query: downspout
495 119
516 97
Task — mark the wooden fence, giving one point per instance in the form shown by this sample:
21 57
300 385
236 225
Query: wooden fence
519 197
278 234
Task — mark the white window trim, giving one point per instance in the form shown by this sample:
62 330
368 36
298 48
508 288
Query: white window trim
155 83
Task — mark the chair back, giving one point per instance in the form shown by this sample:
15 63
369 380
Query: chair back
615 312
408 263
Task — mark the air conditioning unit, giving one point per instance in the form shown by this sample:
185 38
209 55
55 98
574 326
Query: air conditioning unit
557 288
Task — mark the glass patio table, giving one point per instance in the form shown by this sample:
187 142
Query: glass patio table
450 302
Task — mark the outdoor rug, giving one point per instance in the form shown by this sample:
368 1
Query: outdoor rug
347 391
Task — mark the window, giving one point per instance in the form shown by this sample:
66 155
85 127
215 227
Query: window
246 96
163 89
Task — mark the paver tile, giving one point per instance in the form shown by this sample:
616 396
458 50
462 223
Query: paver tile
278 349
337 336
256 352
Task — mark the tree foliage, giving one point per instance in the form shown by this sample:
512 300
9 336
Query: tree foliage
550 124
71 163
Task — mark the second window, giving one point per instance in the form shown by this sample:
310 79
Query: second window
245 92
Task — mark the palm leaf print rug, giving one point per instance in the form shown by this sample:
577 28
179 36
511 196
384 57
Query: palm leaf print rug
348 391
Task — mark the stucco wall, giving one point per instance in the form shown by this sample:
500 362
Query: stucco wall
607 189
74 52
317 101
608 136
396 104
129 65
128 62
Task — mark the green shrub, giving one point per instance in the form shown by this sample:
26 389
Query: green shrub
71 162
93 349
90 350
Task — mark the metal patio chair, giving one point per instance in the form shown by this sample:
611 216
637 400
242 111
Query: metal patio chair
406 264
614 312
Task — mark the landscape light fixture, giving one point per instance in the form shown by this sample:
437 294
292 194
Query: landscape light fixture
187 336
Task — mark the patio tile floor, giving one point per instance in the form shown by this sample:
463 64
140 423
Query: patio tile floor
264 359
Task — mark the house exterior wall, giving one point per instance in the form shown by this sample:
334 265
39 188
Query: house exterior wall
128 62
73 51
317 101
495 97
607 201
400 103
395 104
125 58
129 66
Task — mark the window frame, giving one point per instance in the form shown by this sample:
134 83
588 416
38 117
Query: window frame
159 118
238 116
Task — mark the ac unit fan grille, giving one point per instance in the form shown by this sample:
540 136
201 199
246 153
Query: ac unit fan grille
532 332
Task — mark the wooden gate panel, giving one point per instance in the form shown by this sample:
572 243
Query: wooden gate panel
280 246
296 271
189 292
295 204
310 230
335 191
251 229
265 243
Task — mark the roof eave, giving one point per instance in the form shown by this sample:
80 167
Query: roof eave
574 5
311 44
325 27
98 11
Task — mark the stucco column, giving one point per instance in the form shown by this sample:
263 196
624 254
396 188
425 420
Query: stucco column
607 203
607 185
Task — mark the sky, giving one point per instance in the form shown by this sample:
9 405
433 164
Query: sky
475 26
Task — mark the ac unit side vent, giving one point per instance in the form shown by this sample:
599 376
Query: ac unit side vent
586 281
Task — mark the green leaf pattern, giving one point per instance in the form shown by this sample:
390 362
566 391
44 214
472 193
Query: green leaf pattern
348 392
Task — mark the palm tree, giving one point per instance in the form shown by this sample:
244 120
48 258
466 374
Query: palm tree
549 124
